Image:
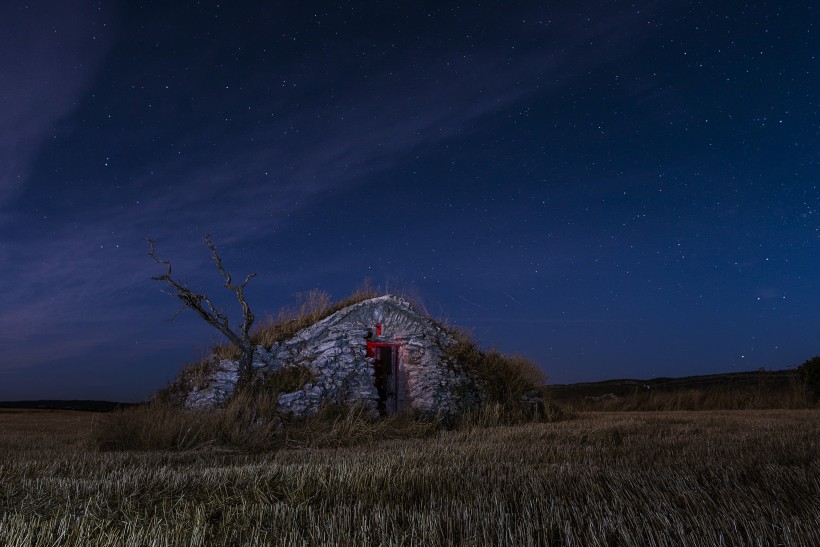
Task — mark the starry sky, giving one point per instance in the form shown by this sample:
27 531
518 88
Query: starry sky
613 189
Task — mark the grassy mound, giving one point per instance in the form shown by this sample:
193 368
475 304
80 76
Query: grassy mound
502 390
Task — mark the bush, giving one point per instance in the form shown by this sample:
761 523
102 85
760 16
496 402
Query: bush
508 388
810 375
288 379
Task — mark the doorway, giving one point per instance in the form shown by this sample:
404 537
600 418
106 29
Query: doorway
386 374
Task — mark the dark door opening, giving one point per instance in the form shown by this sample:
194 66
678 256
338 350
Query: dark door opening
385 371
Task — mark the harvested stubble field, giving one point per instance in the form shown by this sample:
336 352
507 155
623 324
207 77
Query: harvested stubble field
655 478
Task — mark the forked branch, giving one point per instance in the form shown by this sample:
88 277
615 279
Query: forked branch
205 308
239 290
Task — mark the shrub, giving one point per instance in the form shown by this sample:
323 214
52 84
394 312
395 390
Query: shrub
810 375
288 379
506 389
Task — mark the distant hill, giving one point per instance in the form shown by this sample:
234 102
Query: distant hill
90 406
626 387
753 389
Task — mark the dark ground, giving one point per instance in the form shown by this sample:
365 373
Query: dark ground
92 406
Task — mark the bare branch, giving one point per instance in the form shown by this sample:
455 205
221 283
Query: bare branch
205 308
176 313
250 276
218 261
247 317
153 255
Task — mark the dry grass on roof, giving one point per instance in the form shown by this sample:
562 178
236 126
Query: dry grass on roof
311 307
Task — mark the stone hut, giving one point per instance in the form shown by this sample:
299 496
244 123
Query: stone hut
379 352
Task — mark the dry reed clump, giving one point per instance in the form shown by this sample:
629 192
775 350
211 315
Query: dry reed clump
226 351
681 478
248 421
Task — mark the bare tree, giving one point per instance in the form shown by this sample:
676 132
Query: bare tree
202 305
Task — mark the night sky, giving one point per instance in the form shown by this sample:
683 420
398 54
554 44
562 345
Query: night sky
613 189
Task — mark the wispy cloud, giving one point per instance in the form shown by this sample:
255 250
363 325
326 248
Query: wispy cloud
416 97
70 284
50 54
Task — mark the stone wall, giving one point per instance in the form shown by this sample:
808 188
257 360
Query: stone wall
335 349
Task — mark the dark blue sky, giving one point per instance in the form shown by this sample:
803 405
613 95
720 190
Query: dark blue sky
614 189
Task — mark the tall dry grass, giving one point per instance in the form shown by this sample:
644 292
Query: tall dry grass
678 478
250 423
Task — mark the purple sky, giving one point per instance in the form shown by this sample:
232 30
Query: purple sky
613 189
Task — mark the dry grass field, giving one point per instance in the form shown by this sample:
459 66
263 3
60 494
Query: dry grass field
616 478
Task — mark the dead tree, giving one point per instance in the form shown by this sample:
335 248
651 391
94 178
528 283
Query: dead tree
202 305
